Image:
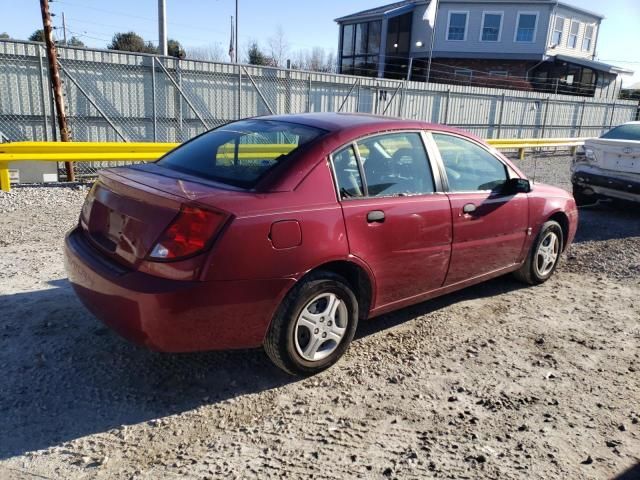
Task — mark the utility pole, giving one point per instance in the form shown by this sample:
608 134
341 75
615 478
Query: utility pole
64 30
162 27
56 83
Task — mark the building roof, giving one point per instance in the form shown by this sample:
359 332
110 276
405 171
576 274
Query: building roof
585 62
382 10
377 11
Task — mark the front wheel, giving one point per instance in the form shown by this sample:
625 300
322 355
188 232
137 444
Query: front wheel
314 325
544 255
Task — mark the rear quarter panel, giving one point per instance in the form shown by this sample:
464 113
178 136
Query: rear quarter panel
246 251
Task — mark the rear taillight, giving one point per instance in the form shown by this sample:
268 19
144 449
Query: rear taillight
190 232
85 213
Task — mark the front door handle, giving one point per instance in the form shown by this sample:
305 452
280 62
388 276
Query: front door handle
375 216
469 208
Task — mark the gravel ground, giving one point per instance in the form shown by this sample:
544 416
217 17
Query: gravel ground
496 381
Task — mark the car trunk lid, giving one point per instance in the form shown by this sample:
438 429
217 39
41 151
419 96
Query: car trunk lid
616 155
128 209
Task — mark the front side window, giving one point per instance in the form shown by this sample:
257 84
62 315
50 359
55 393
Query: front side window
572 42
395 164
345 167
457 26
239 153
491 27
468 166
526 29
558 30
588 37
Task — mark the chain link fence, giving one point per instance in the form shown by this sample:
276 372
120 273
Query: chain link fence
123 97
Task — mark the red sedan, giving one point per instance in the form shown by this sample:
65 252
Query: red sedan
285 231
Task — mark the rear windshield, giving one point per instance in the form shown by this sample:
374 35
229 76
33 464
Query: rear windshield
624 132
239 153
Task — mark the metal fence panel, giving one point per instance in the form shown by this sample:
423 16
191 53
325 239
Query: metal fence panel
120 96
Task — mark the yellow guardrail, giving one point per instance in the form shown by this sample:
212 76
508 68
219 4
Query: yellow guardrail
144 151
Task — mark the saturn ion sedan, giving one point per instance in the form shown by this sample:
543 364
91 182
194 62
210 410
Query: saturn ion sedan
283 232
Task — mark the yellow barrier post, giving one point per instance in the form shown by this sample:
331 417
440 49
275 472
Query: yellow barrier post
521 154
5 182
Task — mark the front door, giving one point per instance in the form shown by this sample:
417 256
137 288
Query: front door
489 228
396 221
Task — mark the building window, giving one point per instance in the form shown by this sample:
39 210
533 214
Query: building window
558 30
360 48
462 74
499 73
526 27
573 34
398 46
491 26
457 29
588 38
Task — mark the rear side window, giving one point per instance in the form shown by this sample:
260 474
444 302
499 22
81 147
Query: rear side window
395 164
345 166
624 132
239 153
469 167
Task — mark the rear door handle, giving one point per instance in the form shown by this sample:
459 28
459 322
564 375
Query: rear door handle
375 216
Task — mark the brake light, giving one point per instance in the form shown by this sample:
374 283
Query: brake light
189 233
85 213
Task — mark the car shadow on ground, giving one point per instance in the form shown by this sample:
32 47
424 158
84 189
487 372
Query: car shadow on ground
605 221
66 376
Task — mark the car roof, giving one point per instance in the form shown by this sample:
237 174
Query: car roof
360 122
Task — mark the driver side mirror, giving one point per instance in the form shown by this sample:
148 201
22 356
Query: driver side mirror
517 185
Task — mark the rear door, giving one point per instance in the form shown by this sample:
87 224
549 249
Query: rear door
489 228
396 220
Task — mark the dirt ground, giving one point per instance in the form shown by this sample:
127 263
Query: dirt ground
496 381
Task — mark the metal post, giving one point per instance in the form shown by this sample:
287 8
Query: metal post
237 39
358 99
557 82
544 118
309 95
64 30
613 109
180 104
410 66
162 28
433 38
446 107
52 57
401 103
239 94
584 104
153 98
501 115
43 92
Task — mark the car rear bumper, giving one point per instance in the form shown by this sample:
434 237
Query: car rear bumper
170 315
607 183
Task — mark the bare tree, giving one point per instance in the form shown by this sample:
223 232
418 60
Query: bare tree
278 47
210 53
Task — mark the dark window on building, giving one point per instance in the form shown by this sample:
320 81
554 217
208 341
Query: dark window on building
526 27
457 26
492 23
398 45
360 48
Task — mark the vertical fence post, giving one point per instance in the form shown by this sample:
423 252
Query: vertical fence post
180 114
239 116
544 117
501 115
153 100
309 95
401 102
446 107
584 104
43 92
613 110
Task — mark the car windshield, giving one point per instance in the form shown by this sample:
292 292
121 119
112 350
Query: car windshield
629 131
239 153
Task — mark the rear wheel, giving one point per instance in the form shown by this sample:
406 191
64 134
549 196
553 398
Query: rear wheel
314 325
544 255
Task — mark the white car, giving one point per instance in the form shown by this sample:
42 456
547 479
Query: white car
608 166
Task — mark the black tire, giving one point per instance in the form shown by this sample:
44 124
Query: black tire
530 271
581 198
283 338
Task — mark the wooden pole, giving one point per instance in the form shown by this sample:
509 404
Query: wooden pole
56 83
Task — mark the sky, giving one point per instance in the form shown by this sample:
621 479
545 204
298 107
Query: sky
306 23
